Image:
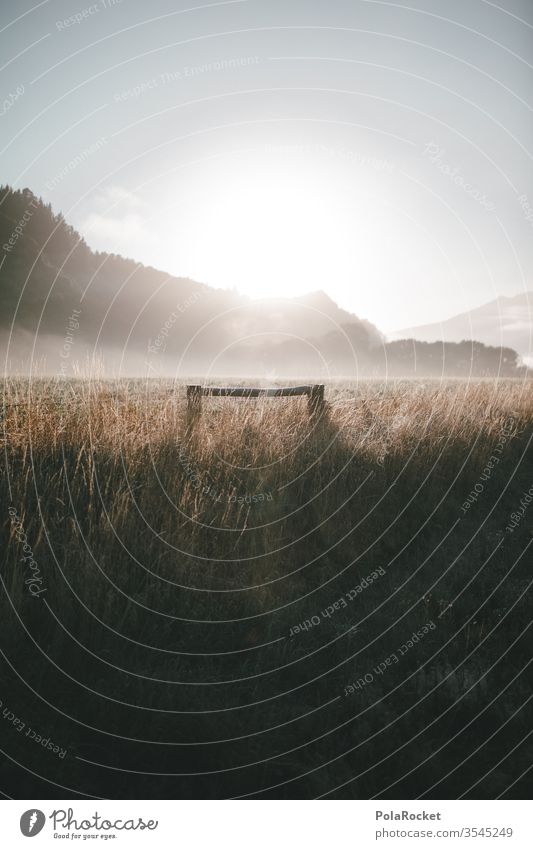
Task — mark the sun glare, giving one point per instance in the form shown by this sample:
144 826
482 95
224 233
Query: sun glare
275 236
284 226
276 231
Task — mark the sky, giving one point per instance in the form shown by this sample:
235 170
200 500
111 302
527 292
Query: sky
380 151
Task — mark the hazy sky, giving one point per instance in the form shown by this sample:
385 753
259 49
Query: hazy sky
377 150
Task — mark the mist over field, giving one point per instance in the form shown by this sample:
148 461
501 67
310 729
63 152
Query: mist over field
67 310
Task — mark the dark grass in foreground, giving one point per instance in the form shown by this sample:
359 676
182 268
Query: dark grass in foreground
164 649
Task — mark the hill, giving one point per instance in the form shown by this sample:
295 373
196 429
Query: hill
54 288
506 321
63 305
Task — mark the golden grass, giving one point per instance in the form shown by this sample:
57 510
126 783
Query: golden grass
119 459
151 526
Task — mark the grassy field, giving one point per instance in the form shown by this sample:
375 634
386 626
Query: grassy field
261 604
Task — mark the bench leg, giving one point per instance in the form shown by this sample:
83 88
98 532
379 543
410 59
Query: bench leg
194 405
315 401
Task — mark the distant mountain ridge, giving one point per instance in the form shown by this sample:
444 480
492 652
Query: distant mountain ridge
505 321
62 304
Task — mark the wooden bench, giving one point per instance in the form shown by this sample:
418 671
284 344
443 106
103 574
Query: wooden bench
314 392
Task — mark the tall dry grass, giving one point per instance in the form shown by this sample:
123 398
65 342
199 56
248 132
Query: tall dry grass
179 553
